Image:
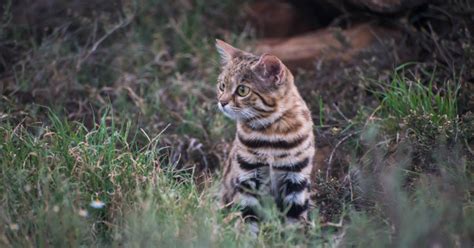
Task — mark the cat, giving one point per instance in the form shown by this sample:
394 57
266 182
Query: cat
272 154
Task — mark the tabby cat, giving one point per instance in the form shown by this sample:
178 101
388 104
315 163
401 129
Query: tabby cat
272 154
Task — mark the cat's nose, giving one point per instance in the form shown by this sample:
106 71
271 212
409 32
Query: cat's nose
223 103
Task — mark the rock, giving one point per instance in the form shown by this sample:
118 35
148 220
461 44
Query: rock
278 18
329 44
388 6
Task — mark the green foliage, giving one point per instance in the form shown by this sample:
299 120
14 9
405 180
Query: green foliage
49 177
50 174
426 109
404 97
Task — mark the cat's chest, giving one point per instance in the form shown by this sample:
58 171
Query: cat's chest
267 153
268 157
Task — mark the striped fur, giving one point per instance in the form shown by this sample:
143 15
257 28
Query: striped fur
273 150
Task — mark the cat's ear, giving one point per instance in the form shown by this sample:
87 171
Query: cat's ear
270 69
226 51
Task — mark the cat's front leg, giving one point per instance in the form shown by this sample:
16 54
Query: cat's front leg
243 187
292 192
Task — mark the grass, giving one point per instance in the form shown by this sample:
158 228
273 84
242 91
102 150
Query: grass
407 207
50 174
50 177
118 107
405 97
421 108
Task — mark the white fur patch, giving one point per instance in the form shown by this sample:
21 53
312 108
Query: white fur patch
248 200
295 177
224 55
297 197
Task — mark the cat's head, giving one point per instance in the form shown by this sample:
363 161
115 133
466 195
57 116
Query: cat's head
249 86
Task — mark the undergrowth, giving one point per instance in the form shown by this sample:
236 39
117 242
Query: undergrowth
54 180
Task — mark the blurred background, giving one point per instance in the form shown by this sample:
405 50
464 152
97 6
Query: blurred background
390 84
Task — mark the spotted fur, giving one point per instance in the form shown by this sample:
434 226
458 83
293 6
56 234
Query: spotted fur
273 150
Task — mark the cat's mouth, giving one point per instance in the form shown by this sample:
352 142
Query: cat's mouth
228 111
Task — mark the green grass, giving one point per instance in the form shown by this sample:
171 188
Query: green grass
66 166
405 96
421 106
51 173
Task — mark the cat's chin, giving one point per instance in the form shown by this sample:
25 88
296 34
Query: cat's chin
231 116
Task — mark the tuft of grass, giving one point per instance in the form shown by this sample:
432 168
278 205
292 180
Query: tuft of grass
420 108
405 96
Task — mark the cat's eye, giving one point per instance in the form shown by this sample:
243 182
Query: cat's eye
243 90
222 86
